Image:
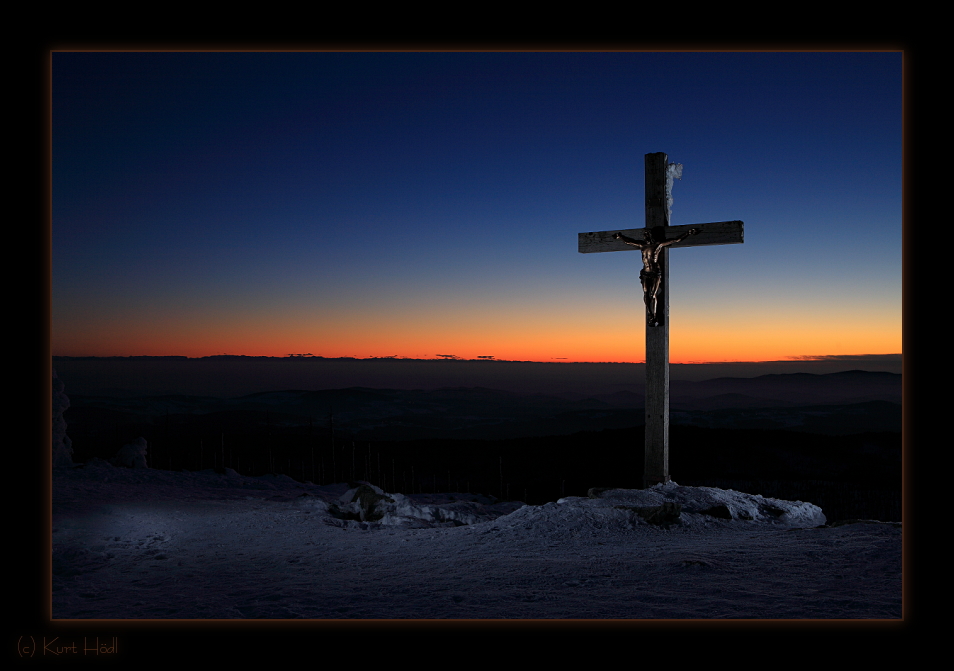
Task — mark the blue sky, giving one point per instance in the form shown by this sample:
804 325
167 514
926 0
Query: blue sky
373 204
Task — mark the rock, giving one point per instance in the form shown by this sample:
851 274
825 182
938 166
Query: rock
361 504
132 455
366 504
367 498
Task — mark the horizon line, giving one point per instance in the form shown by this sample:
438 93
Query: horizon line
559 360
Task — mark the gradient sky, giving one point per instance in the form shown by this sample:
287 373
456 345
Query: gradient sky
416 204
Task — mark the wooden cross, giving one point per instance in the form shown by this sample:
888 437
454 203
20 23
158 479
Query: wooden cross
654 242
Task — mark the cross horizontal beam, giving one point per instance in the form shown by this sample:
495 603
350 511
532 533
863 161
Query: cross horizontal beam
716 233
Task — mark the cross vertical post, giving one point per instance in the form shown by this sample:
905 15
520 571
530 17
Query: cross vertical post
656 456
656 239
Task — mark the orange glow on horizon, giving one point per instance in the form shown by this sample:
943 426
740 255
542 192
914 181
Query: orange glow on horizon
769 344
431 357
595 355
586 335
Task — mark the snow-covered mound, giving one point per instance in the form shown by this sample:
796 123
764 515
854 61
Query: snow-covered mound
665 506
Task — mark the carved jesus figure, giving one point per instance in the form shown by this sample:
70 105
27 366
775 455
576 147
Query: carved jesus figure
650 276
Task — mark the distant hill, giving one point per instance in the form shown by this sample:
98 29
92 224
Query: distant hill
854 386
231 376
839 403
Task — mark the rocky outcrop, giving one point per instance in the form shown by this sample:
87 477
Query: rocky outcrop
361 504
365 503
132 455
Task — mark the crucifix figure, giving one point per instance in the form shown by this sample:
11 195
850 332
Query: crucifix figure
650 276
656 240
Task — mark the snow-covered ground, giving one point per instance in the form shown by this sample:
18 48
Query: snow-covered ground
143 543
